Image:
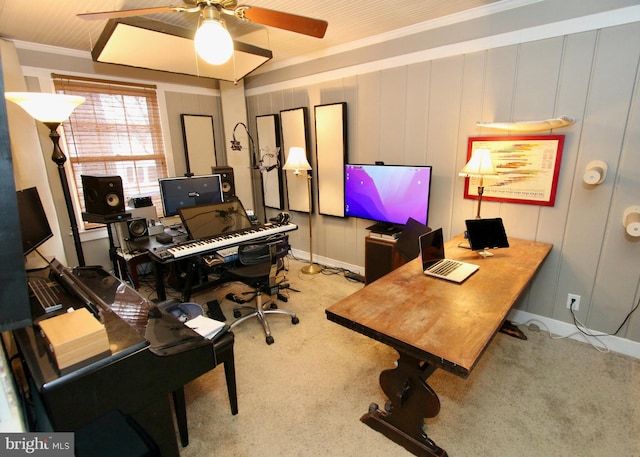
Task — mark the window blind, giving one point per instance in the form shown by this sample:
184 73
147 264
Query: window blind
116 131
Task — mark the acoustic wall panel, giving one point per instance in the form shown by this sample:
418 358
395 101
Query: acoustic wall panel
331 156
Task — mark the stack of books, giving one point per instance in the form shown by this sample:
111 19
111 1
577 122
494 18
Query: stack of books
385 236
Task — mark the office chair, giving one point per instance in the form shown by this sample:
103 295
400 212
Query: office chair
260 265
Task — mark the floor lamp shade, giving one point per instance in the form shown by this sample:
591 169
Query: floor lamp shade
52 110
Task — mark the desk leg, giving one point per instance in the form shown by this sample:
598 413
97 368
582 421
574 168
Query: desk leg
158 270
411 400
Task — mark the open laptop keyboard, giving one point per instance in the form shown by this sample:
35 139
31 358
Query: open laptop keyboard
444 267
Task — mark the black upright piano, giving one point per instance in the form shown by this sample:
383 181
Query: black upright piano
153 355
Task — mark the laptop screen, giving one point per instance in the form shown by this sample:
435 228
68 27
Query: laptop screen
206 221
408 245
486 234
431 248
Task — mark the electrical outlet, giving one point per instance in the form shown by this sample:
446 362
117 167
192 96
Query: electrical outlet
576 302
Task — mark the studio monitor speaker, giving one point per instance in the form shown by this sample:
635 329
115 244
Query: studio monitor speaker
226 177
137 228
130 230
103 194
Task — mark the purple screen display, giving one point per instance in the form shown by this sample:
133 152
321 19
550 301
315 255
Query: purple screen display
387 193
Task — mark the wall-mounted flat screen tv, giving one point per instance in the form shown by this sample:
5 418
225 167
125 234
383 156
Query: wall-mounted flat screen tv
183 192
387 194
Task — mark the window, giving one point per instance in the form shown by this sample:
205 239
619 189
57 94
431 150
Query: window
116 131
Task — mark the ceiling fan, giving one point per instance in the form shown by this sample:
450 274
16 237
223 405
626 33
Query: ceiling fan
212 29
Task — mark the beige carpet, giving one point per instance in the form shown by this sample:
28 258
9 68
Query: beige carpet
304 395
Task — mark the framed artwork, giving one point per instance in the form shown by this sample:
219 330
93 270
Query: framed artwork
331 155
527 169
294 124
199 144
270 153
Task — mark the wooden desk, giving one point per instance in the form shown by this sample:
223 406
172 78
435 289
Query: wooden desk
433 324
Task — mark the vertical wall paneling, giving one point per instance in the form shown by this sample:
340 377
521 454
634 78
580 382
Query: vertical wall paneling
368 122
417 103
445 92
615 81
425 112
392 111
535 93
626 184
588 267
573 87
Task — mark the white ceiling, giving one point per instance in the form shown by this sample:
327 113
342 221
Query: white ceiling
54 22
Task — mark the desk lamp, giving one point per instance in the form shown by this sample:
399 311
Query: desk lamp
52 110
479 166
297 161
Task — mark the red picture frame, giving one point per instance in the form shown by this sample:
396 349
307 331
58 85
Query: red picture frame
527 169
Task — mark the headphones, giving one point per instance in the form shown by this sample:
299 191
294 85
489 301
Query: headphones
283 218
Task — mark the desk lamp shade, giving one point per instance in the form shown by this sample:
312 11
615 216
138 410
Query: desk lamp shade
479 166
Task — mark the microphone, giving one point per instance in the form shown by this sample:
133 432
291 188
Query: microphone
235 144
269 168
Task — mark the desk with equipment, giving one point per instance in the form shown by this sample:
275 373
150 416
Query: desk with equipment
434 323
211 229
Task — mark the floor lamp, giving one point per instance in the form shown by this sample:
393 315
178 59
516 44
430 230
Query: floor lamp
479 166
52 110
297 162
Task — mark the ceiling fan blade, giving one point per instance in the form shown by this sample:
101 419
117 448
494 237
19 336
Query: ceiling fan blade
293 23
128 13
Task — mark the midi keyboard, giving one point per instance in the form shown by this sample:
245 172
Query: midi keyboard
195 247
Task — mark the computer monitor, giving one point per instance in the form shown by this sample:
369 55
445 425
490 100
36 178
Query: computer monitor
183 192
387 194
34 226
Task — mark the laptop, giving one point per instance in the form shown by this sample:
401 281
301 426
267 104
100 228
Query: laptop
435 264
407 244
207 221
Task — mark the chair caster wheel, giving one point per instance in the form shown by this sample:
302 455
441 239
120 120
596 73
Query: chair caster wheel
373 407
295 320
236 313
269 339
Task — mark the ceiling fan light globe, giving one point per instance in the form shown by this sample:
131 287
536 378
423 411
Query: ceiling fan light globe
213 42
